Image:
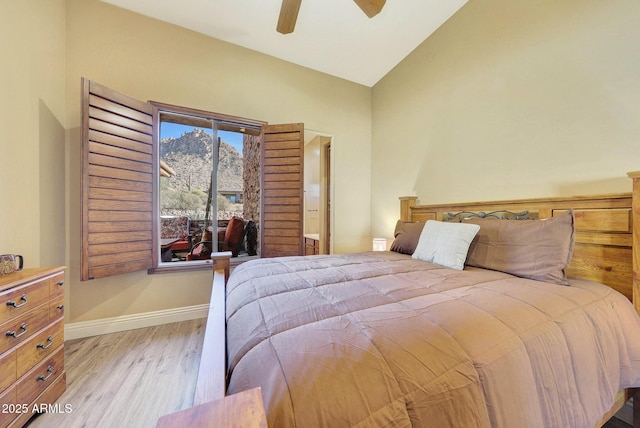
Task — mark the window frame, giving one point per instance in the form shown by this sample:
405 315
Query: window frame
226 123
120 172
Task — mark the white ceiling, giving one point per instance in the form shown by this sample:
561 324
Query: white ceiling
331 36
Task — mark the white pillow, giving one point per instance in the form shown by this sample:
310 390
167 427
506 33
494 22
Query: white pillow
445 244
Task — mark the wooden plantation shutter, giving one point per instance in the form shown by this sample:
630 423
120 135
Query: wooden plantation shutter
282 190
118 184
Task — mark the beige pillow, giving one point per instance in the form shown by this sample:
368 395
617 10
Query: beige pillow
535 249
406 236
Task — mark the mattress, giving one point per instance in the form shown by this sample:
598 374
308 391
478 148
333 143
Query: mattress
379 339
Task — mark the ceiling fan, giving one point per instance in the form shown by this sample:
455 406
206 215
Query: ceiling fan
289 12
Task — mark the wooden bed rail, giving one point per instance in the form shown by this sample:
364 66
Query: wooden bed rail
211 384
211 406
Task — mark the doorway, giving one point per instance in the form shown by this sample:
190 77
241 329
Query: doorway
317 192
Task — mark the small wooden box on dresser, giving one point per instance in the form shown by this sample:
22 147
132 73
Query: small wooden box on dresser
32 375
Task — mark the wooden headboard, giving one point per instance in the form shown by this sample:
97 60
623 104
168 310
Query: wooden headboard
607 237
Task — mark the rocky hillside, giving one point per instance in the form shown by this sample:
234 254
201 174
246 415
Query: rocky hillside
190 157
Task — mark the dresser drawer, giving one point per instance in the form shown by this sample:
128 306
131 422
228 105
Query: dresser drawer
56 308
19 329
8 406
49 396
40 377
39 346
18 300
56 285
8 369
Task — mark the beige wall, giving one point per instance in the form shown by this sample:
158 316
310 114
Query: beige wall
32 169
316 192
148 59
312 186
511 99
506 100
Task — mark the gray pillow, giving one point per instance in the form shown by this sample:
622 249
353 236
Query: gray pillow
406 236
535 249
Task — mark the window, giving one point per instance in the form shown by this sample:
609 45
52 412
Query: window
122 174
202 186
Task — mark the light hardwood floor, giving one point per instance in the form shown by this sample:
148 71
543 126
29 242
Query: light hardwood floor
129 379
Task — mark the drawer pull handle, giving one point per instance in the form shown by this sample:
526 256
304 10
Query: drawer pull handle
16 305
60 283
23 327
60 307
49 343
44 378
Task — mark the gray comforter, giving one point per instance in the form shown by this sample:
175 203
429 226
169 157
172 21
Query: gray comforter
380 339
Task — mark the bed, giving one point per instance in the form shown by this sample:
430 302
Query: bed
385 339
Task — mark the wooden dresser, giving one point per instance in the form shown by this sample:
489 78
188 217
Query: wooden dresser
32 375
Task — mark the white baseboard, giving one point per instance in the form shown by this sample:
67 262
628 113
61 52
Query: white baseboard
83 329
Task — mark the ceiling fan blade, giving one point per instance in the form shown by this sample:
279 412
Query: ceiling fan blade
370 7
288 16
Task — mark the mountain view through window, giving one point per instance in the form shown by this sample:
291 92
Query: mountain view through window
192 199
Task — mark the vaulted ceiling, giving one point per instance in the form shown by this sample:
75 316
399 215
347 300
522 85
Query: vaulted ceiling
331 36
